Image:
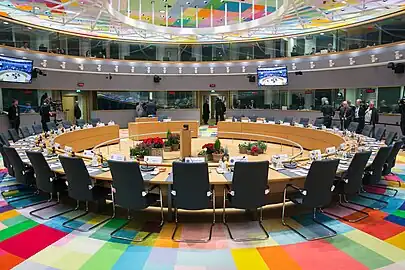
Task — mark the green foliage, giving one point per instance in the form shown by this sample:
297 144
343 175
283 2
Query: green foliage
217 146
244 145
262 146
139 151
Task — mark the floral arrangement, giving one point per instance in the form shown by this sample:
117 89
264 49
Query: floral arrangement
174 138
209 148
218 149
154 142
140 150
254 150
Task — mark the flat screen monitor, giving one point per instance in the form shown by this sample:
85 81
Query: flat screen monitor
272 76
15 70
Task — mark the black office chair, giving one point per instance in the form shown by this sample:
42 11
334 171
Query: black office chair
128 191
288 119
390 162
6 162
81 188
236 118
373 174
253 118
389 139
51 126
317 192
14 135
191 191
350 184
94 121
4 139
270 119
80 122
24 176
379 134
37 129
46 181
304 121
318 122
353 127
367 130
66 124
25 132
248 194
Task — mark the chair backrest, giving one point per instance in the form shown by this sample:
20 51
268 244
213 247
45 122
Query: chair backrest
37 129
304 121
249 184
318 183
390 137
13 134
51 125
94 121
4 139
354 174
390 162
78 178
191 184
288 119
237 118
379 134
270 118
17 165
43 173
128 183
80 122
353 126
66 124
25 132
6 161
378 165
253 118
318 122
367 130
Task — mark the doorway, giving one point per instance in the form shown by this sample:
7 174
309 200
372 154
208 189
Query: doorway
68 105
211 97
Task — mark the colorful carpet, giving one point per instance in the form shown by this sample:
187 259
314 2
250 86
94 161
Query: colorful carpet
208 131
377 242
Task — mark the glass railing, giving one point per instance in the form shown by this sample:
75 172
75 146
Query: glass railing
367 35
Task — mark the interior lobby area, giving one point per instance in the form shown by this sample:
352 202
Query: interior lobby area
202 135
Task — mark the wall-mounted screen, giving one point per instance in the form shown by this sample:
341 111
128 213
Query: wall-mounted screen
15 70
272 76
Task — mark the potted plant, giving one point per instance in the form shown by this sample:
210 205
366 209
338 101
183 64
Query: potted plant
209 149
175 142
156 146
139 151
243 148
254 150
168 146
203 153
262 147
218 151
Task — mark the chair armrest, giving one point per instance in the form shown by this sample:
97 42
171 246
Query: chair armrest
302 191
152 188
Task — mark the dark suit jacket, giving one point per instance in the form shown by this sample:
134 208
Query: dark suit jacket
13 113
349 115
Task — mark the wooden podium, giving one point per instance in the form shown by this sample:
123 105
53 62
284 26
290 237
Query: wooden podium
185 143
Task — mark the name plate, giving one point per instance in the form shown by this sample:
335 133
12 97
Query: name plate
245 121
111 123
271 122
68 149
260 121
118 157
194 160
228 120
88 153
153 159
315 155
331 150
167 120
233 160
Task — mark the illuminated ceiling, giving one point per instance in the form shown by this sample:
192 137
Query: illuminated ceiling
195 21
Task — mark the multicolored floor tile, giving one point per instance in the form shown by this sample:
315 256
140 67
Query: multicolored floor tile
377 242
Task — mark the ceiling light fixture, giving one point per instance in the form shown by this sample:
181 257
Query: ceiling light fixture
98 68
162 11
331 63
196 70
5 22
116 69
293 66
352 61
374 58
132 69
311 64
81 66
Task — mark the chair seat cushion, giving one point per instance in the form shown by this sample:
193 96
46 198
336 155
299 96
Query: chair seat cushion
100 192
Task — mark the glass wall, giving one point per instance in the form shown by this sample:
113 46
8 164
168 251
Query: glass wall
382 32
27 99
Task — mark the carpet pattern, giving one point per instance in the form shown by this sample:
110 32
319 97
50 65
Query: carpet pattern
377 242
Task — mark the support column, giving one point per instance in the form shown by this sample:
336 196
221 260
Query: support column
196 51
290 45
84 46
309 44
124 50
269 48
268 97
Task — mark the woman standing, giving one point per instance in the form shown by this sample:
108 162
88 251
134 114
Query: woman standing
206 112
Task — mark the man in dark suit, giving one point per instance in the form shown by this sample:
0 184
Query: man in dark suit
346 115
14 115
328 113
359 115
151 108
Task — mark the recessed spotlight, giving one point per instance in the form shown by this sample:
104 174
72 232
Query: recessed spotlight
344 2
188 3
322 34
205 2
162 11
29 28
5 22
342 9
36 8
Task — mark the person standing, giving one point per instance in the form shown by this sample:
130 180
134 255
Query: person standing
222 116
14 115
45 112
77 111
346 115
151 108
139 110
206 112
371 115
359 114
328 113
218 110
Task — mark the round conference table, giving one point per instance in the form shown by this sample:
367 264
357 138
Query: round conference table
308 138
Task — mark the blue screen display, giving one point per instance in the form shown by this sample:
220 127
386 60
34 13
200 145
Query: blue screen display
15 70
272 76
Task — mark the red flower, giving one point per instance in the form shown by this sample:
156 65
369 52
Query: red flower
209 147
254 149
